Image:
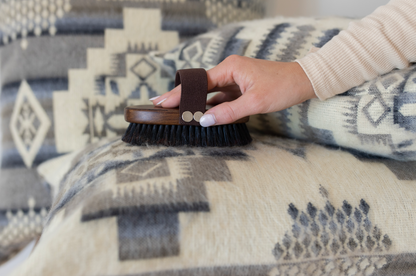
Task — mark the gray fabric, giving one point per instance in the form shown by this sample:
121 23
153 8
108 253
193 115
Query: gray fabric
18 185
45 57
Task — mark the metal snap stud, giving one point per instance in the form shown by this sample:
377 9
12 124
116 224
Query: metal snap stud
187 116
198 115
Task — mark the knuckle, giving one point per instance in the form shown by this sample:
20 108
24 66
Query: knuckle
234 59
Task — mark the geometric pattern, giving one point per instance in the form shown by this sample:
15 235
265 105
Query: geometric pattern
373 115
342 266
377 117
149 192
22 223
280 39
29 124
117 75
34 54
143 69
405 110
24 18
376 110
255 210
331 241
147 216
218 12
227 11
20 227
19 18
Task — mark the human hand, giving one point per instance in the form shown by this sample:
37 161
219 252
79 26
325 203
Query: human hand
248 86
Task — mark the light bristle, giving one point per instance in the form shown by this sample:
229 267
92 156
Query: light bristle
197 136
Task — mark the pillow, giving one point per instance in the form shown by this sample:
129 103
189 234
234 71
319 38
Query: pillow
274 207
40 106
376 117
68 68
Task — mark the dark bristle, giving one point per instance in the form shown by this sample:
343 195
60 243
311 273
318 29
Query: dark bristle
185 135
221 140
154 132
178 135
214 134
210 140
160 132
129 133
230 132
172 136
197 137
203 136
227 141
191 141
145 134
166 136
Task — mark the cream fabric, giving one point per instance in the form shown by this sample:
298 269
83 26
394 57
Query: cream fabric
274 207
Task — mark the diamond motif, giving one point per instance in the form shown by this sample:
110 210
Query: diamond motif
29 124
193 52
376 110
143 69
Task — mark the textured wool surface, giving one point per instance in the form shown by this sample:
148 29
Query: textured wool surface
275 207
377 117
65 82
68 68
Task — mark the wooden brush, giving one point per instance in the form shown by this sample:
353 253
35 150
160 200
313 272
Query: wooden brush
150 125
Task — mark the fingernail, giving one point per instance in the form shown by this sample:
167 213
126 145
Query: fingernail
154 98
207 120
159 103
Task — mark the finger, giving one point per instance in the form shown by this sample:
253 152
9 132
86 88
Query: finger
230 88
169 99
223 97
172 98
222 75
227 113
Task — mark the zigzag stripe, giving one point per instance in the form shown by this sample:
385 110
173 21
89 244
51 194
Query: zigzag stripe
227 44
328 35
271 40
295 43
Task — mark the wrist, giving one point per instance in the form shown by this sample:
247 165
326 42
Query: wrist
303 82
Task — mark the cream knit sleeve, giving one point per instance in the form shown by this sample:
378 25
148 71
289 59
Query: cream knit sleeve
380 42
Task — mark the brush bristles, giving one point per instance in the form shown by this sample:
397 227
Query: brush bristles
197 136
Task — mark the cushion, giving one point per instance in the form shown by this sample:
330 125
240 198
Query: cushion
275 207
376 117
68 68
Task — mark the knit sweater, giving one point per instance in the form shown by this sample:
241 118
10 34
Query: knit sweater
375 45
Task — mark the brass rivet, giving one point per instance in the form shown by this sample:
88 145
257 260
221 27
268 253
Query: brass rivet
198 115
187 116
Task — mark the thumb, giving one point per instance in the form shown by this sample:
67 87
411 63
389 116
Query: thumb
226 113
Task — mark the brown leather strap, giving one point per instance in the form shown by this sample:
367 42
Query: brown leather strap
194 85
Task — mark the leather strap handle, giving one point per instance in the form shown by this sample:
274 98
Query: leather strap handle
194 84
